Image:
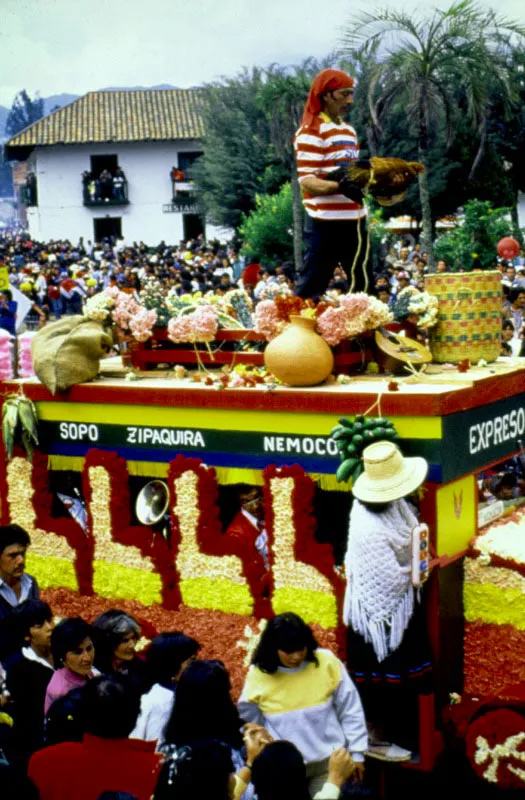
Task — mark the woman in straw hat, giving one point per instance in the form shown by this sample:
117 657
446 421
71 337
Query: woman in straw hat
388 650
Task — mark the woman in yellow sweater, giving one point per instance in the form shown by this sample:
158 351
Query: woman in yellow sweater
303 694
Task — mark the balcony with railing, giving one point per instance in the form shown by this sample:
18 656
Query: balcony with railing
183 192
104 191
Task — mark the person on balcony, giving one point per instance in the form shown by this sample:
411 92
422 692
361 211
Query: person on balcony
87 182
119 183
106 185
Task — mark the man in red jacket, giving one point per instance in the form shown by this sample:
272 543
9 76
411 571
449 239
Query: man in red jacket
105 760
248 539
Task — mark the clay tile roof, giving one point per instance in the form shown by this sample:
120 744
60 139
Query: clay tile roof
118 116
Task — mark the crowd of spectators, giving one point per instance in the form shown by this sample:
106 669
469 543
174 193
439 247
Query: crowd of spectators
58 276
83 715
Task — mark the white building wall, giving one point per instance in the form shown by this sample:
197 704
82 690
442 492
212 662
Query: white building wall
60 213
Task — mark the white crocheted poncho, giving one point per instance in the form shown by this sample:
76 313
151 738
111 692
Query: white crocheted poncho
379 598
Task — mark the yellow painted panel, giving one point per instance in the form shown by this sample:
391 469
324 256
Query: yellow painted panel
51 571
456 515
115 580
219 595
493 605
221 419
311 606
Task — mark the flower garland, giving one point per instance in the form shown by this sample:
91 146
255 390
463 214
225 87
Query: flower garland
209 578
129 561
117 560
303 569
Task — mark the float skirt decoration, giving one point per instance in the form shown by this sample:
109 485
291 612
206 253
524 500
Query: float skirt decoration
299 356
469 316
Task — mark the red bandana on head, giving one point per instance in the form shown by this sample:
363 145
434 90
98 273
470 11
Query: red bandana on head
329 80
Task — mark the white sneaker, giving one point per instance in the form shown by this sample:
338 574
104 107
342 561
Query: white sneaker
388 752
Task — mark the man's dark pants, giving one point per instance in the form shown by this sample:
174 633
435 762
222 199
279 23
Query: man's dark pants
327 244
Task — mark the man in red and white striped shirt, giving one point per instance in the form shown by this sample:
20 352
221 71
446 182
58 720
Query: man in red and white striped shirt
335 220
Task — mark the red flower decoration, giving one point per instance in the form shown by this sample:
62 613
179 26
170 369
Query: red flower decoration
498 728
307 549
150 543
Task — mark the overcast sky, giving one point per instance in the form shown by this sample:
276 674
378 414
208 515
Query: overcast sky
75 46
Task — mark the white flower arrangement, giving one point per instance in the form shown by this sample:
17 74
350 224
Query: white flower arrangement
99 307
423 304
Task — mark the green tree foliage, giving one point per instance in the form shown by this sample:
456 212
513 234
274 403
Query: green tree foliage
281 98
419 63
236 161
24 112
267 229
472 245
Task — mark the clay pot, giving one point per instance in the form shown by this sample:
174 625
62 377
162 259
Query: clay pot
299 356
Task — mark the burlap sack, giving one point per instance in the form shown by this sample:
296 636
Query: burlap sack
68 351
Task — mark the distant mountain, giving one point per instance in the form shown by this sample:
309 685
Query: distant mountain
3 117
136 88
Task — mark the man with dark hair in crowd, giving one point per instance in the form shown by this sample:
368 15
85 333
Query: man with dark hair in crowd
29 668
15 584
106 759
513 308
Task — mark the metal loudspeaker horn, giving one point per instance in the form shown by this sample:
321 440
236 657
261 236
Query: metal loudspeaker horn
152 502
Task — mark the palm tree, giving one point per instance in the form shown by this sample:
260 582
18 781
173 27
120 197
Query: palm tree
421 62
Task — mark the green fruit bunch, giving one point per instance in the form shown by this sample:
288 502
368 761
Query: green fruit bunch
19 417
352 437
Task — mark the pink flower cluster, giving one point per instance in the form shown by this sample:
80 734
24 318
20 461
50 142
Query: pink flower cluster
124 311
199 326
25 361
332 325
142 323
267 320
130 315
6 355
356 314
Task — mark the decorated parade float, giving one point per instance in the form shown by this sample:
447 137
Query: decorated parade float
124 472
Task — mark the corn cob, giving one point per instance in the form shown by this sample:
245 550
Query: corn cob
28 418
27 441
9 425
